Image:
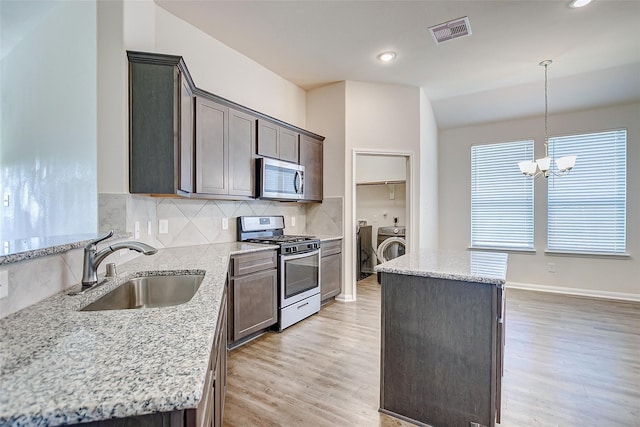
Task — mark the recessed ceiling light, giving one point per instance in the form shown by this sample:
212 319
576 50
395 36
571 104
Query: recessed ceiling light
579 3
387 56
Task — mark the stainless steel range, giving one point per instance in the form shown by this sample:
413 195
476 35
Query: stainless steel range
298 266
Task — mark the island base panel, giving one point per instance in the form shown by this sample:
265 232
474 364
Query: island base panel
438 350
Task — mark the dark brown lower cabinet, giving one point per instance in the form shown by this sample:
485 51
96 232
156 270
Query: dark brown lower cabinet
330 269
441 350
210 410
253 294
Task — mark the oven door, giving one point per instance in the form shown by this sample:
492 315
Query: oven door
299 277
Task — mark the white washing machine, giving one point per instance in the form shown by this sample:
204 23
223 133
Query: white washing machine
391 243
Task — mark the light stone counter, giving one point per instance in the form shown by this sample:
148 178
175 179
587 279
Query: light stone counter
38 247
467 266
59 365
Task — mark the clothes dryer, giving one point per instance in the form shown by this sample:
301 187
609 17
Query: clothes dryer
391 243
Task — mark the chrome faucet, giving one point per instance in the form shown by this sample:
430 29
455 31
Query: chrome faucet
93 258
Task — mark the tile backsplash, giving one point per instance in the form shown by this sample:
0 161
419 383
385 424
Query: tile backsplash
198 222
189 222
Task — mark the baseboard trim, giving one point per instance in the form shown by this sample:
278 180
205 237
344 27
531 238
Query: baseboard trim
592 293
345 298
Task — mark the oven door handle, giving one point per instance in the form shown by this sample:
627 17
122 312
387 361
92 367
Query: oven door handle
288 257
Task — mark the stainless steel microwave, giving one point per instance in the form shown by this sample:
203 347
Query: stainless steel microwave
278 180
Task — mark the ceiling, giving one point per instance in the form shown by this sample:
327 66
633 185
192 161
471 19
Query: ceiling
491 75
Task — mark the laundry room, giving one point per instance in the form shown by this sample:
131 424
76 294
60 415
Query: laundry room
381 201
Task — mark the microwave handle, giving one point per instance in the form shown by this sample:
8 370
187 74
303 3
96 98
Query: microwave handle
298 187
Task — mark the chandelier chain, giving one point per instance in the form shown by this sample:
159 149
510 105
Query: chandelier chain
546 111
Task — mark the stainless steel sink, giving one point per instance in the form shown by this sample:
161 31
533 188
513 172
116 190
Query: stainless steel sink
149 292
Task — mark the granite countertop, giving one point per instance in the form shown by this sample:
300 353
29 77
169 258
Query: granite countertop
468 266
37 247
59 365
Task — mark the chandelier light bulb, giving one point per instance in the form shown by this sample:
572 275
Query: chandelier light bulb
542 167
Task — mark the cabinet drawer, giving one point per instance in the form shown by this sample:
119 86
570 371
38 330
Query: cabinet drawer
250 263
331 248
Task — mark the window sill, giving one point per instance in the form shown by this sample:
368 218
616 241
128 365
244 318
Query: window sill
501 249
587 255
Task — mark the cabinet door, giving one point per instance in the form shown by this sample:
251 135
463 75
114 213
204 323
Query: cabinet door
311 159
220 370
242 148
255 302
268 134
186 136
212 145
288 145
331 276
153 137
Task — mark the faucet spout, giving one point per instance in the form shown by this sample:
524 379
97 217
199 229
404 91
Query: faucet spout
93 258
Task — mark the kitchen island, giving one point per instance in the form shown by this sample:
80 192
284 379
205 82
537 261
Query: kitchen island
442 337
60 365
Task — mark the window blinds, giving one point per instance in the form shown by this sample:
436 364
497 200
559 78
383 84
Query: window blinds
587 208
501 197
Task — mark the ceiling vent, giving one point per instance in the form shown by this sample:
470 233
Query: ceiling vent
451 30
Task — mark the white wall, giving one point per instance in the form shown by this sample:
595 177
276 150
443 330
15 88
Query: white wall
428 175
223 71
144 26
373 204
379 118
590 275
326 116
48 119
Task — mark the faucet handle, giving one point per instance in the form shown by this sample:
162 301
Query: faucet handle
99 239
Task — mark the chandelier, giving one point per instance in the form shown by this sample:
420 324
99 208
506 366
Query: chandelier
542 167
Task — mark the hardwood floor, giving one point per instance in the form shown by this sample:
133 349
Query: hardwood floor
569 361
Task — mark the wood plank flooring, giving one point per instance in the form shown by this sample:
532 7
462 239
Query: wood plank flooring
569 361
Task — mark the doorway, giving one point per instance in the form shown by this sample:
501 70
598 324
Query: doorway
381 203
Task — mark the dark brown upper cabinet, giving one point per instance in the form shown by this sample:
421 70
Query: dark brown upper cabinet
311 159
186 141
212 147
288 145
242 146
160 123
225 143
277 141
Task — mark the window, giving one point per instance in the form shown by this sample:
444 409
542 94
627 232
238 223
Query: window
501 197
587 208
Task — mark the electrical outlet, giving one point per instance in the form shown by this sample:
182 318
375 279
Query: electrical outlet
225 223
163 226
5 200
551 267
148 228
4 284
136 230
293 221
